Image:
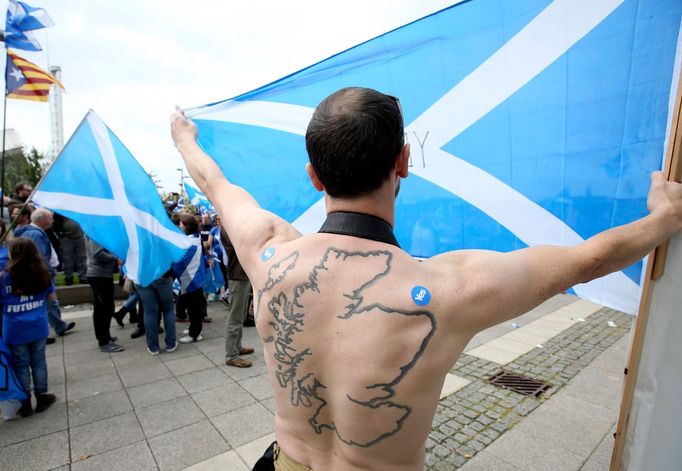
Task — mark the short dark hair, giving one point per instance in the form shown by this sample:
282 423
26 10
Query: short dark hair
353 140
191 225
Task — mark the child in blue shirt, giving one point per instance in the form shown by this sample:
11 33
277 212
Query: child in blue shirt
24 289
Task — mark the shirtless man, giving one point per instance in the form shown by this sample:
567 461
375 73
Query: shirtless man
358 335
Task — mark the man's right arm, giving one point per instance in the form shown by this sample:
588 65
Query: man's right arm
250 227
500 286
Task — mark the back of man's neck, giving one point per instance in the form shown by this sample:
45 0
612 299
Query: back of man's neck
365 205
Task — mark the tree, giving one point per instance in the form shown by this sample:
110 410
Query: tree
22 166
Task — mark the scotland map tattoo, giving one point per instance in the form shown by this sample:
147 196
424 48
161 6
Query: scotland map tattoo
373 399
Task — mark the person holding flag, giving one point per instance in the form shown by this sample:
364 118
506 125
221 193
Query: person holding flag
358 335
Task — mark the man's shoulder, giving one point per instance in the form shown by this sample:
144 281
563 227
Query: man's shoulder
30 232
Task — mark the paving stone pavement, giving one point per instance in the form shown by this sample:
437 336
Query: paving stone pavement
188 410
469 420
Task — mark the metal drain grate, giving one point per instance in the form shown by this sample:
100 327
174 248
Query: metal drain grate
521 384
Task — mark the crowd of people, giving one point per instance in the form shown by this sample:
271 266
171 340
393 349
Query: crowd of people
40 243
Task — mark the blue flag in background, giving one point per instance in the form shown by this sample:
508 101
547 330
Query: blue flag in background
21 20
98 183
198 199
531 122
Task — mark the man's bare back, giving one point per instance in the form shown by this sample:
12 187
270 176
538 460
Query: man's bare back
355 362
358 336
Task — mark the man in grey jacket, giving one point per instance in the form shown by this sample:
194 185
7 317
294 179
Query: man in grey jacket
101 264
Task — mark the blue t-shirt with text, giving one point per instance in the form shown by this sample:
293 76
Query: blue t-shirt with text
24 318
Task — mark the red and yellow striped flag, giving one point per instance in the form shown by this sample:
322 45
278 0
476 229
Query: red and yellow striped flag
26 81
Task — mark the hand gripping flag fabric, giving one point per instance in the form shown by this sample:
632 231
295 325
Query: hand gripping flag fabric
98 183
198 199
21 20
531 122
26 81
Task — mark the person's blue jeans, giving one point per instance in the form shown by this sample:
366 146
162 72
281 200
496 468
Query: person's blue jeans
54 314
29 360
131 301
54 317
158 297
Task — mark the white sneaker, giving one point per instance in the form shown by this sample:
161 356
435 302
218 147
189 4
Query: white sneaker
188 339
185 332
152 351
173 348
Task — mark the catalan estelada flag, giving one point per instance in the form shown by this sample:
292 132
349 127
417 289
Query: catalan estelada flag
26 81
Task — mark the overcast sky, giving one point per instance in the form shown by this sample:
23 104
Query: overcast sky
132 61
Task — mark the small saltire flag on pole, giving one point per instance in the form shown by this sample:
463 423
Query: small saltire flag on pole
530 122
198 199
21 20
98 183
26 81
23 17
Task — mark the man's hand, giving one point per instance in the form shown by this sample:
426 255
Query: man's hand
182 129
665 199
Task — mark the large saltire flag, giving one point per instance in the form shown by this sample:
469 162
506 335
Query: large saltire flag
531 122
26 81
98 183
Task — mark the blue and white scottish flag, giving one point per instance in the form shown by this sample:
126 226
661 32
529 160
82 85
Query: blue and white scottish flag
198 199
98 183
21 20
531 122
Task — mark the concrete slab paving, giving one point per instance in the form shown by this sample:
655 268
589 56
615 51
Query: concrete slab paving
187 446
226 461
258 386
244 425
156 392
94 408
135 457
222 399
167 416
104 435
530 453
251 452
204 380
52 420
46 452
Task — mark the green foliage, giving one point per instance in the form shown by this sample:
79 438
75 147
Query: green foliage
22 166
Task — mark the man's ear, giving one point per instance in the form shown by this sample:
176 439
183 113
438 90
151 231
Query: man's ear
402 163
313 177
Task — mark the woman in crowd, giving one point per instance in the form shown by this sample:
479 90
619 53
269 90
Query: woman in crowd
24 289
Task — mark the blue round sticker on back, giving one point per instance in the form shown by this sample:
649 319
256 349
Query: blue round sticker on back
267 254
421 296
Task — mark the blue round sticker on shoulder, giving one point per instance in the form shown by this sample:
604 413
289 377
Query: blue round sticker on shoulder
267 254
421 296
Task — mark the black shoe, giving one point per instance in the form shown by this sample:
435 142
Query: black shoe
137 333
43 401
249 322
119 315
25 410
134 317
69 326
50 340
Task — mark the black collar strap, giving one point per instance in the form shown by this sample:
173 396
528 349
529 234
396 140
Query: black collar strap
361 225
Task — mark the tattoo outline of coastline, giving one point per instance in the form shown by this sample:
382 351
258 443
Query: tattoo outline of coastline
287 322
